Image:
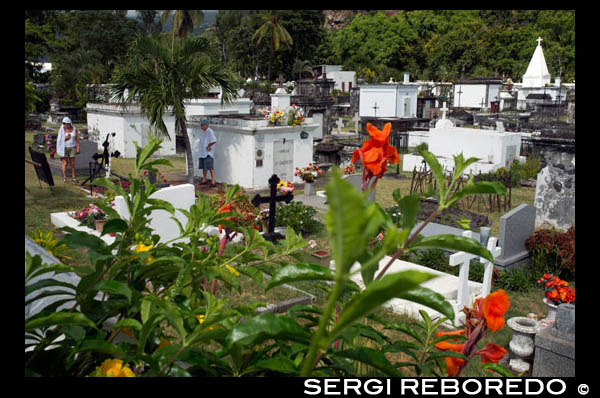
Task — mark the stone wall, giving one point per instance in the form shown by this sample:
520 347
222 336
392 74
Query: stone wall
555 190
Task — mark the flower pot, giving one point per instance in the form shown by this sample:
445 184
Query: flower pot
309 188
100 225
522 344
551 310
265 225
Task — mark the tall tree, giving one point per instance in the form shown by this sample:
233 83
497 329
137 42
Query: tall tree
184 21
152 26
272 29
161 78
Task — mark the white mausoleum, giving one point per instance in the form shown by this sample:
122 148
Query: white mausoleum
388 100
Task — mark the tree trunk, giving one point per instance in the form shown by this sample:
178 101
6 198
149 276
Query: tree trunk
188 152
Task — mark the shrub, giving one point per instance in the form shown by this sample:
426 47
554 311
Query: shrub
517 280
553 252
297 216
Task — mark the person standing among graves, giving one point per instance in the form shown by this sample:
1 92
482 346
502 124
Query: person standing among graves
67 146
207 152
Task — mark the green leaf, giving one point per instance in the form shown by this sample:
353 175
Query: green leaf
114 225
376 294
443 354
114 287
59 318
459 243
346 221
129 323
57 268
496 367
173 314
82 240
47 283
464 223
266 326
279 364
98 345
50 293
371 357
299 272
427 297
160 205
406 347
438 173
481 187
410 206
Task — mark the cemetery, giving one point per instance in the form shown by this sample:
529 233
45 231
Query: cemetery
337 240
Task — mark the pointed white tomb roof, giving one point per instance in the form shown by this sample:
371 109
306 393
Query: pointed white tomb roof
537 74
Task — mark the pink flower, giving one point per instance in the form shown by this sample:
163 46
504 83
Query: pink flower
312 244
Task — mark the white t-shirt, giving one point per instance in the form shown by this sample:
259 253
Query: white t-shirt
71 142
206 137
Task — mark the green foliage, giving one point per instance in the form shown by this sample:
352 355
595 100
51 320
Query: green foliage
299 217
553 252
50 243
158 293
30 99
517 279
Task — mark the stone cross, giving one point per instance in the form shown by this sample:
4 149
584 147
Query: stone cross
340 123
280 80
272 199
459 92
375 108
444 109
539 40
356 119
463 297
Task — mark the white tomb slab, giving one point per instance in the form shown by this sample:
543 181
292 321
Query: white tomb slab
388 100
493 148
213 106
248 151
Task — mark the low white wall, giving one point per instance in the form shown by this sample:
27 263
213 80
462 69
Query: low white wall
409 162
418 137
212 106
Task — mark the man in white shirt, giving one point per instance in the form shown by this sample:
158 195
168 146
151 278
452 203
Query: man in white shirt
207 152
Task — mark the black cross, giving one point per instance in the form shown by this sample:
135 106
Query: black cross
459 93
375 108
280 80
273 198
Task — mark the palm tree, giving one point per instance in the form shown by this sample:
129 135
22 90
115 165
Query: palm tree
184 21
273 29
160 79
301 66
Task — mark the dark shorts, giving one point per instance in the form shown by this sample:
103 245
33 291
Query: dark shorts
206 163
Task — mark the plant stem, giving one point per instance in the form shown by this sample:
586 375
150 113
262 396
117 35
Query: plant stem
171 360
412 237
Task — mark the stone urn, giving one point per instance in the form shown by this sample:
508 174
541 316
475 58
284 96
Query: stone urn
309 188
551 310
522 344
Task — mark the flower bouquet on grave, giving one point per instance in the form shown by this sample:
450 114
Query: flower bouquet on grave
285 187
273 116
350 169
557 291
88 216
375 154
295 115
309 174
263 219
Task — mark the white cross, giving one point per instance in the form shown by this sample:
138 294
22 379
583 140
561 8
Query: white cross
539 40
463 297
356 119
340 123
444 109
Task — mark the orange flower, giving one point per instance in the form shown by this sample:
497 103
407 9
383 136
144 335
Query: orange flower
453 366
491 353
446 344
494 307
224 209
376 152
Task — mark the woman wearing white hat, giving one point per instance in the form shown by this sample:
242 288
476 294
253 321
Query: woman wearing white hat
67 145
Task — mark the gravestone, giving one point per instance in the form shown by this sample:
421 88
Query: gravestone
43 170
283 159
356 180
272 199
340 124
87 149
515 227
356 120
555 346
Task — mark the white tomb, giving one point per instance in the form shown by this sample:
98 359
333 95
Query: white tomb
476 93
388 100
495 149
249 151
128 125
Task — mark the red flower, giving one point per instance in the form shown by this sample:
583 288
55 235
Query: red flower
491 353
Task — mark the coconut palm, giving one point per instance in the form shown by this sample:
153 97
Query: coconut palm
184 21
274 30
160 79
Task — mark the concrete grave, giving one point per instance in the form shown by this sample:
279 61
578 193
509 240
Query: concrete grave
356 180
555 346
86 150
515 227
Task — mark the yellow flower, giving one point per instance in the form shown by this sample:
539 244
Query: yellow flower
232 270
200 318
114 368
143 248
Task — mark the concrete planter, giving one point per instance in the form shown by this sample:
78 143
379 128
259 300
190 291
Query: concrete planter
551 310
522 344
309 188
